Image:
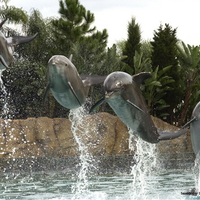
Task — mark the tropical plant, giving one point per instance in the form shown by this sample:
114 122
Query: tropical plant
189 58
156 89
141 65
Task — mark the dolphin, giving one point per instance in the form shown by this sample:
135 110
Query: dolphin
195 128
68 87
194 124
7 47
123 94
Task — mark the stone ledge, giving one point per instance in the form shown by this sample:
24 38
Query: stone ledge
103 134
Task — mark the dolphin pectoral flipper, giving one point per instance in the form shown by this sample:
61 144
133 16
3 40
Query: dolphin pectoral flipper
15 40
3 62
74 93
171 135
97 104
46 92
188 123
132 104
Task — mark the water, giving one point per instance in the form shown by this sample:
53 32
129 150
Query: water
197 173
58 186
80 132
145 157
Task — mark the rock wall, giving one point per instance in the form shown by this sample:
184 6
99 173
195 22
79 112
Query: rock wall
103 135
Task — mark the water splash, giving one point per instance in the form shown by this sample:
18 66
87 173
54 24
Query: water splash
145 157
4 100
5 114
196 171
80 132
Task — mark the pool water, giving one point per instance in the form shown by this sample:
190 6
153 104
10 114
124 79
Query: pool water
165 184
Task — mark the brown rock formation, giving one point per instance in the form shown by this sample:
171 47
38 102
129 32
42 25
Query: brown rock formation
102 134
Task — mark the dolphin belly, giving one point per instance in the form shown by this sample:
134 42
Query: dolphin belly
195 136
134 119
67 99
65 95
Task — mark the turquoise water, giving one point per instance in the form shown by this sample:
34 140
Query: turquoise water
165 184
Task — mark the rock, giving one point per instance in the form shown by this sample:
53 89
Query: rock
67 144
99 134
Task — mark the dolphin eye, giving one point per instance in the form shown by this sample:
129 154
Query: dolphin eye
118 84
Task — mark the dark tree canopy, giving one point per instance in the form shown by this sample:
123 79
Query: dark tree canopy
132 44
164 47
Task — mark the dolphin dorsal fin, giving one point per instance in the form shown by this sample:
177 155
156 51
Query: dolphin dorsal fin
139 78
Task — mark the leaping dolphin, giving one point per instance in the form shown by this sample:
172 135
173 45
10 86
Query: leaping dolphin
123 94
67 86
7 47
195 128
194 124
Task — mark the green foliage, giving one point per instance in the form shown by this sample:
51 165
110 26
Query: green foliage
189 58
156 89
164 47
12 14
164 54
74 26
89 53
141 64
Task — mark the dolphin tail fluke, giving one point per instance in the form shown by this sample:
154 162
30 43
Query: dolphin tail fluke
15 40
164 135
97 104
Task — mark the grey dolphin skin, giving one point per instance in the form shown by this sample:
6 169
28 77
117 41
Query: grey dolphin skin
195 128
65 83
194 124
123 94
7 47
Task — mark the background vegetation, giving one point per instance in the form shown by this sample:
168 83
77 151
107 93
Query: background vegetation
171 93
